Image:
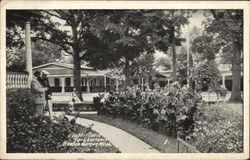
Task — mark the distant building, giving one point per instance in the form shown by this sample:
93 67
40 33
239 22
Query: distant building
164 77
61 78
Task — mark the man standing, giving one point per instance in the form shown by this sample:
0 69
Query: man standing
45 82
38 94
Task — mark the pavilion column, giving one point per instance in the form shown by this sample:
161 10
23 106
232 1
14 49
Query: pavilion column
223 81
72 81
88 89
105 81
63 84
28 51
117 85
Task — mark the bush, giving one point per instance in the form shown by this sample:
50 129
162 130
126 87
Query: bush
218 129
206 75
26 133
167 110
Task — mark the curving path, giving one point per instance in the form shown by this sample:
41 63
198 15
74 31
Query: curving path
124 141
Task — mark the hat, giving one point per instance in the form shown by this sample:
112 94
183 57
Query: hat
45 72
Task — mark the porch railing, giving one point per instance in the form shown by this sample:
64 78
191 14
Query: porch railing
16 80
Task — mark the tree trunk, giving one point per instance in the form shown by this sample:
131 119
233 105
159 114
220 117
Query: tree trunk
126 70
77 63
77 74
236 70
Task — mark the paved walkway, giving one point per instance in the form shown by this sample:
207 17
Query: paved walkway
124 141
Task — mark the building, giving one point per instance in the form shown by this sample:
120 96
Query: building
61 78
164 77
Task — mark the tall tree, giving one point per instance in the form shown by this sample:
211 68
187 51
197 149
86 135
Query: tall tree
66 28
227 25
123 38
168 31
131 32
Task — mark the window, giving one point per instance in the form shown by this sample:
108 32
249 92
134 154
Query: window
67 81
57 82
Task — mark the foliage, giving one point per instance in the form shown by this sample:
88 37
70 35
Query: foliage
15 23
163 62
220 92
166 110
42 52
142 66
166 30
207 75
29 134
206 46
218 129
15 60
227 28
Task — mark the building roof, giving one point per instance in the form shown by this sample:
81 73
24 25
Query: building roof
84 70
71 66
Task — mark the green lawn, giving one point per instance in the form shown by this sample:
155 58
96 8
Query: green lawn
156 140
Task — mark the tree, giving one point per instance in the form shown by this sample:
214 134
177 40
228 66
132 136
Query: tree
123 39
206 46
166 31
142 67
207 73
227 25
45 52
42 52
15 23
130 33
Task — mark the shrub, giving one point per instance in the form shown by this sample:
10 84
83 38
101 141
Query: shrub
207 75
220 92
26 133
218 129
167 110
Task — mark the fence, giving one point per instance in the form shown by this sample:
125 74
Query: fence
185 146
16 80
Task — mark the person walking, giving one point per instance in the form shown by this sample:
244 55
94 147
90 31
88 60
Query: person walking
48 94
38 94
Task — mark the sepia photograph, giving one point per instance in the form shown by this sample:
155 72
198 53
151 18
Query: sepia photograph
125 80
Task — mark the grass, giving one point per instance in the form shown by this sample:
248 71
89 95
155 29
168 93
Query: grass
157 140
220 128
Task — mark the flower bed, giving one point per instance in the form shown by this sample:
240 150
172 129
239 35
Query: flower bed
211 128
165 110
